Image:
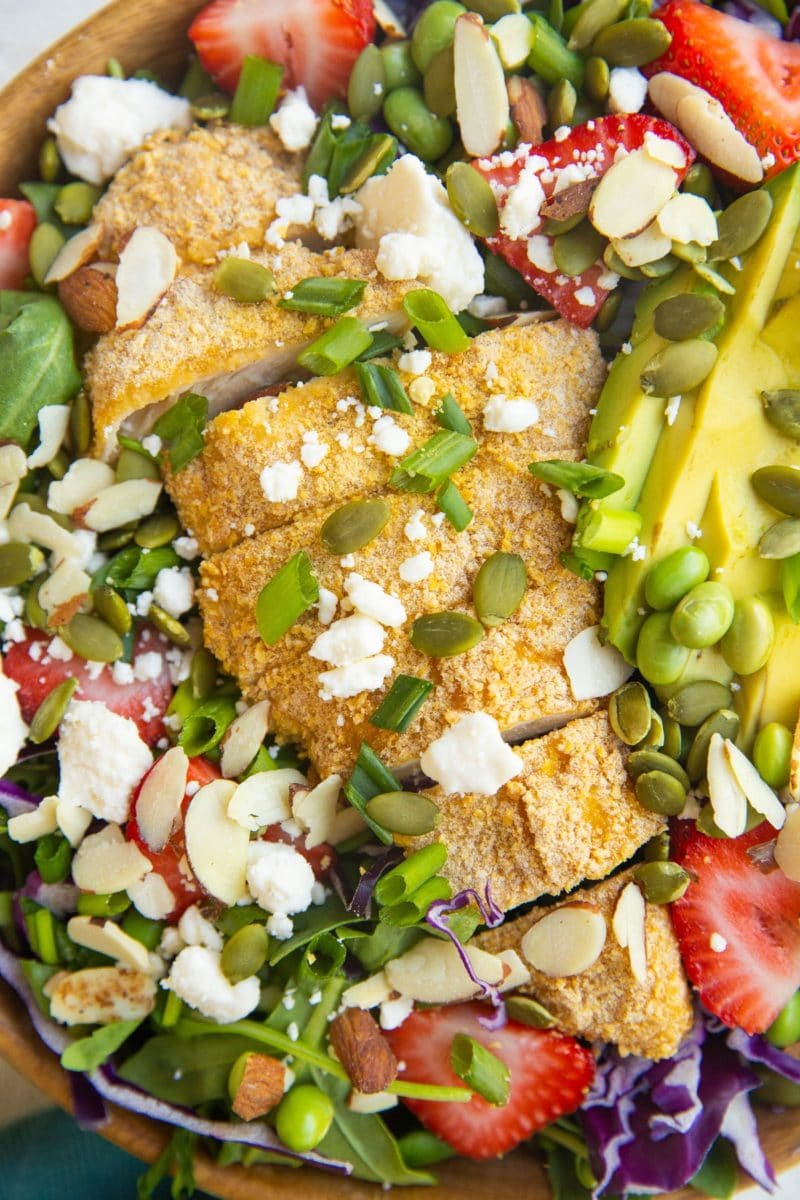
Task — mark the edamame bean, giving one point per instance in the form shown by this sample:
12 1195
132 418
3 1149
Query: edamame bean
703 616
748 643
410 120
245 953
659 657
367 84
45 243
75 201
303 1117
772 752
439 86
399 66
49 160
669 580
434 30
785 1029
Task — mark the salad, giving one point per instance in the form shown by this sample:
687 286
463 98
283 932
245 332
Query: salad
400 590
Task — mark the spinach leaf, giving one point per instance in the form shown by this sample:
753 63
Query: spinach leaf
182 428
87 1053
323 918
135 567
385 942
719 1173
187 1071
37 363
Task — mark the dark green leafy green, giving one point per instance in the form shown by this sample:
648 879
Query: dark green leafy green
43 197
135 568
181 427
719 1174
323 918
37 362
374 950
188 1071
561 1172
89 1052
177 1160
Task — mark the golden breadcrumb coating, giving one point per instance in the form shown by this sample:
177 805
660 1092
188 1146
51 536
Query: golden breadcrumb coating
570 815
208 190
606 1002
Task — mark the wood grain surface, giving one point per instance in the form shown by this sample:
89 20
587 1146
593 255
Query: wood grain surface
153 35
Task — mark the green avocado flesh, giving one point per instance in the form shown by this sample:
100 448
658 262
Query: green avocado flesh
696 472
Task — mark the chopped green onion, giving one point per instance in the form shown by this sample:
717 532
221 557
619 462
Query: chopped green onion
196 82
401 703
403 880
485 1073
429 1091
427 468
790 586
324 957
325 297
451 416
586 563
290 592
182 428
243 280
412 910
432 317
256 91
40 926
205 727
53 856
382 344
454 506
99 904
145 930
370 778
581 479
610 530
381 387
172 1011
318 159
6 909
336 348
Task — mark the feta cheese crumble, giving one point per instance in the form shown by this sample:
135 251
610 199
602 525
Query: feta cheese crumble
370 600
101 759
279 879
502 415
281 481
13 729
471 757
174 590
196 976
416 568
295 121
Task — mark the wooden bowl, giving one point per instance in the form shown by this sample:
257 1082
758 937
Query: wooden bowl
153 35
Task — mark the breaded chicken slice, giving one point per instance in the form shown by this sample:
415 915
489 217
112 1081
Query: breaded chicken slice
555 364
606 1002
208 190
515 673
198 339
571 815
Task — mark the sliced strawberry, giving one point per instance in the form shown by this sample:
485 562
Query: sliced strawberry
749 915
320 858
754 76
589 151
17 223
550 1075
145 701
317 41
171 862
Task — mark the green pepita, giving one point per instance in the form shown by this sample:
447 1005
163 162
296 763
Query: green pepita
378 147
552 227
245 952
726 724
110 606
443 634
614 263
678 368
630 713
597 79
657 849
115 539
472 199
168 625
703 271
561 101
203 673
158 530
747 645
80 424
407 813
780 487
689 252
660 267
645 762
673 737
781 540
654 738
19 563
59 464
50 712
49 161
45 243
132 465
609 311
354 525
33 612
660 793
692 704
366 87
741 225
782 410
75 201
439 86
528 1011
494 10
661 882
92 639
700 182
632 43
243 280
594 17
499 587
212 106
574 252
687 316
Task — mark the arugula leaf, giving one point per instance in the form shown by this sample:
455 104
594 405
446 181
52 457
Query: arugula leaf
89 1052
37 362
182 428
719 1173
186 1071
385 942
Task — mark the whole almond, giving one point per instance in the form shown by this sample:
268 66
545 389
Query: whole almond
363 1050
528 110
90 298
261 1086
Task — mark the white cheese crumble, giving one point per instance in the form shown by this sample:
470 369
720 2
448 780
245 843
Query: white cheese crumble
389 437
414 528
471 757
415 362
416 568
671 409
348 640
394 1012
502 415
569 505
151 896
186 548
295 121
13 729
312 451
520 213
540 253
281 481
196 930
174 590
365 676
594 669
196 976
585 296
101 759
370 600
326 605
717 943
627 90
279 879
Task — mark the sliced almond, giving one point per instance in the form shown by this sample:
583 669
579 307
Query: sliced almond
594 668
83 482
25 525
161 796
687 218
629 929
513 35
315 810
368 993
90 298
360 1102
64 592
516 974
646 247
260 1088
7 493
263 798
387 20
707 126
119 504
630 195
481 98
362 1050
664 150
13 464
100 995
73 821
27 827
728 800
243 739
787 846
147 267
794 765
760 795
566 942
79 250
433 973
216 846
528 107
105 862
107 938
152 897
666 90
53 423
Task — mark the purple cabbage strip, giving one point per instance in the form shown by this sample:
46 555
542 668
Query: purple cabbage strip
88 1108
492 916
792 31
757 1049
361 902
15 800
60 898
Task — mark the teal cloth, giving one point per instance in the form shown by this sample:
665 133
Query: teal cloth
47 1157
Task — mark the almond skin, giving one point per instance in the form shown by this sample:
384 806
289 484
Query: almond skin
363 1051
528 109
261 1087
90 299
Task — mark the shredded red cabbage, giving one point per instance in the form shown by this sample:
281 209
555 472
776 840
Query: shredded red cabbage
60 898
491 916
756 1049
16 800
792 31
361 902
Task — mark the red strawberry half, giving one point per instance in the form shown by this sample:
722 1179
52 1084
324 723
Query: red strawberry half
754 76
737 926
17 223
317 41
587 152
143 700
550 1075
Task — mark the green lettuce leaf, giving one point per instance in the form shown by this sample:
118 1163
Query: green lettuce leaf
37 362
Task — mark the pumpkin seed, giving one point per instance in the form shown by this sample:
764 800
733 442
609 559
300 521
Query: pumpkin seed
45 243
156 531
561 101
630 713
75 201
657 849
717 281
661 882
700 182
660 793
632 43
203 673
494 10
782 410
38 504
741 225
406 813
596 16
678 368
367 85
726 724
50 712
115 539
528 1011
660 268
92 639
780 487
499 587
133 465
354 525
58 465
443 634
19 563
689 252
654 738
687 316
673 737
33 612
646 762
212 106
109 605
706 824
80 424
439 85
781 540
367 165
243 280
49 161
168 625
245 952
597 79
472 199
609 310
692 704
575 251
747 645
614 263
554 227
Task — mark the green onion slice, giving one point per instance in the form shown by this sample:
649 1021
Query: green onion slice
256 91
427 468
404 879
325 297
381 387
370 778
454 506
336 348
790 586
582 479
480 1069
288 594
205 726
401 703
382 344
430 314
451 416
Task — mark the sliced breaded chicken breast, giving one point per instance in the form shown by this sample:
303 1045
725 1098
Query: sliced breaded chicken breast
570 815
199 340
606 1002
208 190
555 364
